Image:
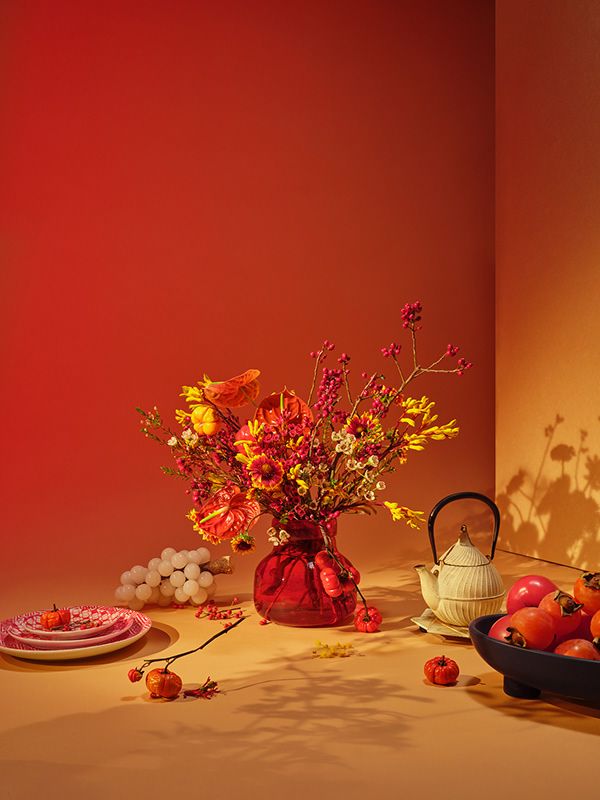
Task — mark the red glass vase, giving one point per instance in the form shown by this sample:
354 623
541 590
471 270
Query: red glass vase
287 586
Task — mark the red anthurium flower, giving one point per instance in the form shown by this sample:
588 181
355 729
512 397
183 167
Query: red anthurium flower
227 513
280 404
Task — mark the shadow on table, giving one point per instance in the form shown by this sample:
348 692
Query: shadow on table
548 710
299 722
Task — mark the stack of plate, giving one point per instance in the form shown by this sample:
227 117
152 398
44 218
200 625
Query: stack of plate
92 631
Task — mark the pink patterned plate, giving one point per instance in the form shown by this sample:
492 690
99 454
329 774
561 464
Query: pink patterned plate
140 625
98 618
120 626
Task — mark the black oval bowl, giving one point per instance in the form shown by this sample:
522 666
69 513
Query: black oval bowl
527 673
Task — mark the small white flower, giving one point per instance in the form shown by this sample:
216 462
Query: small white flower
335 436
370 496
373 461
339 448
187 434
380 486
172 441
351 464
278 537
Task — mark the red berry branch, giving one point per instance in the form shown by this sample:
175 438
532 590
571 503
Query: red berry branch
166 684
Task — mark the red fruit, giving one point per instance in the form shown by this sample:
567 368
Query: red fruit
532 628
500 628
578 648
594 625
441 670
587 591
331 582
367 620
582 631
564 610
528 591
163 683
135 675
323 560
55 618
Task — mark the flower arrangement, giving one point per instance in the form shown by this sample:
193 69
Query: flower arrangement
301 460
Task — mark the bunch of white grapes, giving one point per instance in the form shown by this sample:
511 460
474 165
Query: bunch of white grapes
176 577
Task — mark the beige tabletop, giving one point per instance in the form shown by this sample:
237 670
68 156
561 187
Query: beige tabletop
287 724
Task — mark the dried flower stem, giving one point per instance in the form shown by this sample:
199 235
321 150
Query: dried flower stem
168 661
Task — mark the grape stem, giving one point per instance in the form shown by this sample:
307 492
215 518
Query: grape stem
171 659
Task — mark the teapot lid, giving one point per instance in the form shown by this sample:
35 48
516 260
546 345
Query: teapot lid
464 553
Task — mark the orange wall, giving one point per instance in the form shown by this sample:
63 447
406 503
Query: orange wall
197 187
548 277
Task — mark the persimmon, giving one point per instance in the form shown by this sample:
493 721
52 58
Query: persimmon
587 591
595 625
564 610
578 648
532 628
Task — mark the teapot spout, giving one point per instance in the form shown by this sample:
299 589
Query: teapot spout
429 586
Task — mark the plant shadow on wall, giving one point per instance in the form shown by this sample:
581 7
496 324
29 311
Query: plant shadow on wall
559 504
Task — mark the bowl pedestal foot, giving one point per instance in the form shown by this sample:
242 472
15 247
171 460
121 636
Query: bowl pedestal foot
515 689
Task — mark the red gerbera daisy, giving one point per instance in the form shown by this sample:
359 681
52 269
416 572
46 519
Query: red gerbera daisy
265 472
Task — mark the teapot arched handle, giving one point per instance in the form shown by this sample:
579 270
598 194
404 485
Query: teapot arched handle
463 496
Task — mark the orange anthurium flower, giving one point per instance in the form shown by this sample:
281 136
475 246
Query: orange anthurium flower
235 392
271 408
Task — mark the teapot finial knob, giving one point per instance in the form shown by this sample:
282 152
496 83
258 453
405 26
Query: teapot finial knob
464 537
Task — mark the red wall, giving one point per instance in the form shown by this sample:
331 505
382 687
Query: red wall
193 187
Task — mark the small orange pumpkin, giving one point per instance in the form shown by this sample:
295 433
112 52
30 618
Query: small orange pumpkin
163 683
205 420
235 392
55 618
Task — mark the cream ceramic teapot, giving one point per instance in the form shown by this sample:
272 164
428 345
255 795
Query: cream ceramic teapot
463 584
